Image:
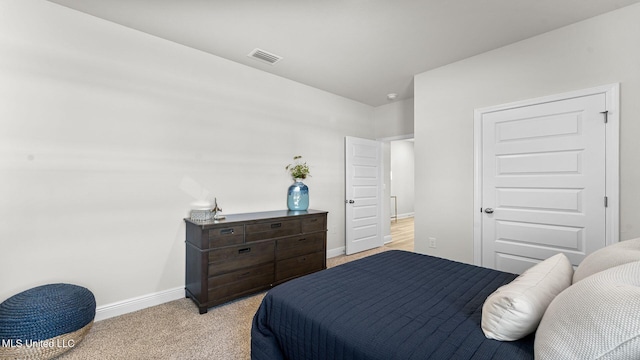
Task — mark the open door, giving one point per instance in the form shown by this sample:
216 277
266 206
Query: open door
363 172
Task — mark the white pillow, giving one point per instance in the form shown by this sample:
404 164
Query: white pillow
597 318
608 257
514 310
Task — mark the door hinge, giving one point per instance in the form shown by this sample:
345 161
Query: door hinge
606 116
606 201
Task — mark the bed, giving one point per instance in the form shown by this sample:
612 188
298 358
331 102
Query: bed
392 305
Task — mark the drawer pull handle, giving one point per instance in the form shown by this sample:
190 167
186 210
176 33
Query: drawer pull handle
303 239
245 274
313 220
303 259
244 251
275 226
226 231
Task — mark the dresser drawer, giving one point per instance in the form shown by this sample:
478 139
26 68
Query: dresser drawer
314 223
239 282
298 266
226 236
299 245
263 272
241 256
272 229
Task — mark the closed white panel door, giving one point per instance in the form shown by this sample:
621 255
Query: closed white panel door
543 182
363 194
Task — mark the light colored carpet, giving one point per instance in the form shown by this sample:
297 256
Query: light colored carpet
175 330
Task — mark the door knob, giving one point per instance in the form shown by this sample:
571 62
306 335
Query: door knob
349 201
488 210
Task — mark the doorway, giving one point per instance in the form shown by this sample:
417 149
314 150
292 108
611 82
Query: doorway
401 192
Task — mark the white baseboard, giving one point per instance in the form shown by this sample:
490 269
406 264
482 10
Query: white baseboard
142 302
138 303
404 216
387 239
335 252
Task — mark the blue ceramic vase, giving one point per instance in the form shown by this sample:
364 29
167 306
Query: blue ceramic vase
298 196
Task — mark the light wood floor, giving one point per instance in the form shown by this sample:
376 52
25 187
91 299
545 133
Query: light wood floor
402 234
401 239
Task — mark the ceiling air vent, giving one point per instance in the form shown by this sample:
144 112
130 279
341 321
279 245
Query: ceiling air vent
264 56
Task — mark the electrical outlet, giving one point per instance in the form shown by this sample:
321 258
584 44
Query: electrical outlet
432 242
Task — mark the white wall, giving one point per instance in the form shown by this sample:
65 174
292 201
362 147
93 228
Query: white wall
394 119
598 51
105 132
402 180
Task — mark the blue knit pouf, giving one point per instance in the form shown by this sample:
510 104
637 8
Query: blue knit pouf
45 321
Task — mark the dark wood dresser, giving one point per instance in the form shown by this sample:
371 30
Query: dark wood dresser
247 253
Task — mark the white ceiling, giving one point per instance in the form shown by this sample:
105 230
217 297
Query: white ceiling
359 49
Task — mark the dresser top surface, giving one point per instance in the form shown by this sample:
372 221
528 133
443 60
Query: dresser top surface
256 216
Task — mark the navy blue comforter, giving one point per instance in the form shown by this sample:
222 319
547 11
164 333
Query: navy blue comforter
393 305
